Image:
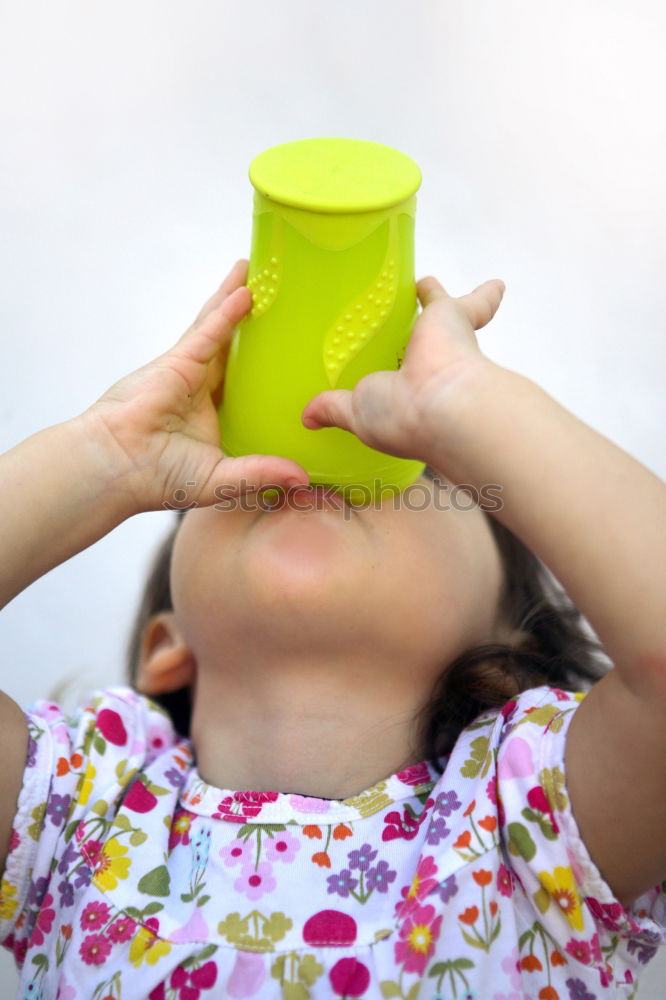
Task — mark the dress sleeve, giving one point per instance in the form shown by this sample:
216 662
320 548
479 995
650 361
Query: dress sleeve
72 763
543 847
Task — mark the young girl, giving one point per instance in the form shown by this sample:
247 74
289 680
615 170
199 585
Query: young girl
355 758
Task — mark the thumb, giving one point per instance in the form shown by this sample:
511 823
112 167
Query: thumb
328 409
479 305
482 303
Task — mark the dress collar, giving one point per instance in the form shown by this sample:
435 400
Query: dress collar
199 797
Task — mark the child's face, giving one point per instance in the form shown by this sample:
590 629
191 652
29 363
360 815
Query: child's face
411 580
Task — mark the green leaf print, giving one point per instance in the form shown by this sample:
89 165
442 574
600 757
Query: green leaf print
277 926
152 908
552 782
157 789
390 989
541 716
452 968
35 829
296 974
69 830
520 842
99 744
542 821
414 991
472 767
156 882
309 970
542 899
476 943
267 930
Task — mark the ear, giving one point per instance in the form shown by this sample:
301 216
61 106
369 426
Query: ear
166 662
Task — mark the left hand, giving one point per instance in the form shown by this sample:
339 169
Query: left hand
389 410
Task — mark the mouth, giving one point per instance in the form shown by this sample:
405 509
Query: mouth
305 498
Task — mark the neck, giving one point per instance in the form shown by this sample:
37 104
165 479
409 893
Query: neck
323 729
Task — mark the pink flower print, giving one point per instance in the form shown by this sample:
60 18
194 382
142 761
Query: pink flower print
606 974
238 852
188 982
15 841
404 827
92 851
511 965
504 881
94 916
282 847
595 949
65 991
421 886
44 922
507 710
122 929
416 774
242 806
536 798
256 882
180 828
111 726
580 950
612 915
305 804
561 695
349 978
95 949
247 976
491 790
155 740
418 935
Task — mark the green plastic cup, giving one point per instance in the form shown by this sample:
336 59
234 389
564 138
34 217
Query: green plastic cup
331 272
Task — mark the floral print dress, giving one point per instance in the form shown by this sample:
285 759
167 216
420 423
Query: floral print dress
129 877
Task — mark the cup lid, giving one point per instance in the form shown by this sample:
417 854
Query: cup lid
335 175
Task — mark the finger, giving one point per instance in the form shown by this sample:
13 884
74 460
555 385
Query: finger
328 409
249 473
236 277
482 303
430 289
201 343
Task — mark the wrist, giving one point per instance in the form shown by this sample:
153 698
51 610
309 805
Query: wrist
107 472
462 419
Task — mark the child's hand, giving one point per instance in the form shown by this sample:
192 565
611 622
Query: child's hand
389 410
158 427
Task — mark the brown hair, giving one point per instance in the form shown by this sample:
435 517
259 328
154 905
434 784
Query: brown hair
555 648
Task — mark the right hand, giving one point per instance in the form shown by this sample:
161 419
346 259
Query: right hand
158 427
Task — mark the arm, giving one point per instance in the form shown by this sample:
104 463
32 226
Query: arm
152 437
62 495
595 517
591 513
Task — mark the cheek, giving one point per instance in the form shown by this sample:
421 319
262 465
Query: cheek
191 565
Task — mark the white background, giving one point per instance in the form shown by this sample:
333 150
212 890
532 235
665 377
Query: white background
127 132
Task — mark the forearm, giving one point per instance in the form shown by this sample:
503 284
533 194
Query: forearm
594 515
60 496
